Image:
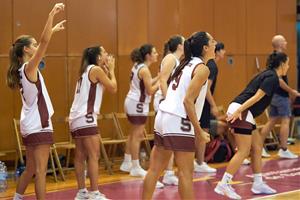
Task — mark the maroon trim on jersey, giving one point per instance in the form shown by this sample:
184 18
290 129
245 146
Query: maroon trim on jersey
143 91
38 139
83 132
175 143
137 120
89 76
42 106
91 99
28 78
192 75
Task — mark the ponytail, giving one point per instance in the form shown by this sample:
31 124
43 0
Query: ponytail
89 57
16 54
193 47
138 55
276 59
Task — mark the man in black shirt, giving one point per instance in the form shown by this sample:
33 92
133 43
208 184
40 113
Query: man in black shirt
280 106
208 108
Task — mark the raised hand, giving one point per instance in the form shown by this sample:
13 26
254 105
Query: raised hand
57 8
111 62
59 26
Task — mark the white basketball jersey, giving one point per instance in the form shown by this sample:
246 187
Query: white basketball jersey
177 90
88 96
137 89
37 107
158 95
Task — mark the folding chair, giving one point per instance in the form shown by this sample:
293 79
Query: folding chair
67 145
147 137
112 142
53 152
273 139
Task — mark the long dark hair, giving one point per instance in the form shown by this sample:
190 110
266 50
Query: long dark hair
172 44
16 54
193 47
276 59
138 55
89 57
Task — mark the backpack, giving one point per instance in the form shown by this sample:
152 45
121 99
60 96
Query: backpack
218 150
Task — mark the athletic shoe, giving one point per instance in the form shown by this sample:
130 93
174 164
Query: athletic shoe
265 154
226 190
286 154
82 195
203 168
262 188
246 162
138 171
97 196
159 185
170 179
126 166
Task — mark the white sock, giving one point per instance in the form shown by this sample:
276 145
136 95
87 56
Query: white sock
226 178
127 157
135 163
83 190
18 196
257 178
169 173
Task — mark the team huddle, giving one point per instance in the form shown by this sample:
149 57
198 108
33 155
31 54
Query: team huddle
183 101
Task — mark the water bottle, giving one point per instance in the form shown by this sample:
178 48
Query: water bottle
143 157
3 177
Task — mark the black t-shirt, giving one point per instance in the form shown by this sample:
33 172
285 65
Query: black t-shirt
281 91
267 81
212 66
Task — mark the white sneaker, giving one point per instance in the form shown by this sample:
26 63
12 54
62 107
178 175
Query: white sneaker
126 166
82 195
203 168
265 154
262 188
97 196
138 171
159 185
170 179
226 190
286 154
246 162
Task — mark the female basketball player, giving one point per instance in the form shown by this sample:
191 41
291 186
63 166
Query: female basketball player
96 74
173 51
177 121
241 113
35 123
142 86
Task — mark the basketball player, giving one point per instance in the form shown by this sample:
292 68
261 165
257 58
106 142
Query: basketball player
173 51
137 101
241 113
96 74
35 123
177 121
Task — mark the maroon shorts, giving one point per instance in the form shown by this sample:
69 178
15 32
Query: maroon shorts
175 143
137 120
83 132
38 139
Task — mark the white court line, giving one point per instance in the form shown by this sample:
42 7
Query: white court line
274 195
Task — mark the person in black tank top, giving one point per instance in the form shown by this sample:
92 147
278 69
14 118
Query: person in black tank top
280 107
249 104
